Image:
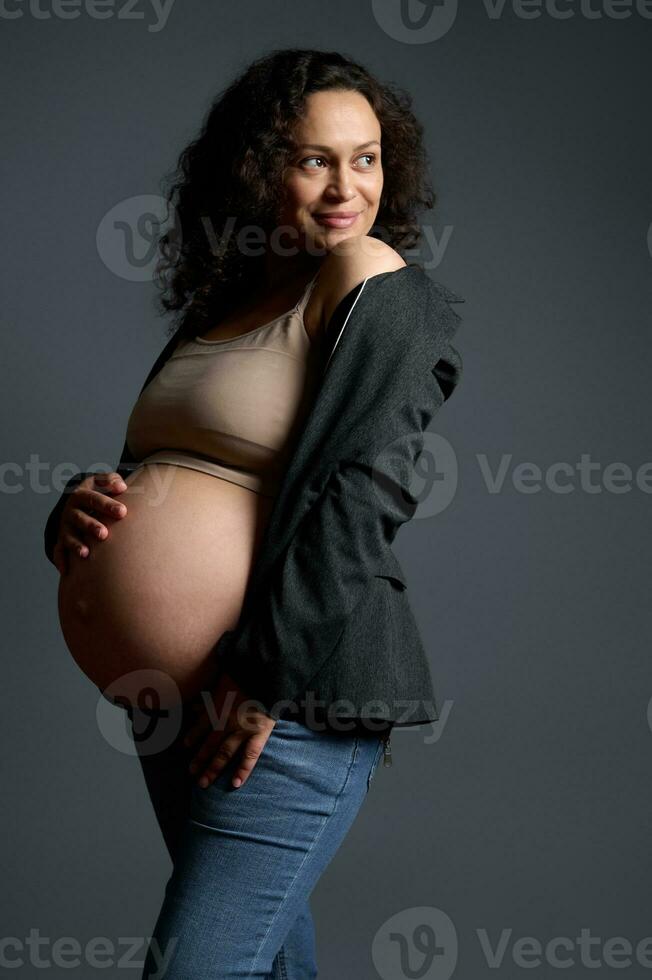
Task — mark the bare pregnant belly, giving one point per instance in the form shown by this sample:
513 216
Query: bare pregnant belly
156 594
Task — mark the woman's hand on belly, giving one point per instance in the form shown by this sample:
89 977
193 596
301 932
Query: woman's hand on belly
78 525
224 729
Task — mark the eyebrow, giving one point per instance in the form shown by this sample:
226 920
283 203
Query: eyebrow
326 149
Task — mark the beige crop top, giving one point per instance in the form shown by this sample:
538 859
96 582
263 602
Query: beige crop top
230 408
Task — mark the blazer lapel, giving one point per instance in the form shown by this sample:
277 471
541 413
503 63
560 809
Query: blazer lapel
341 331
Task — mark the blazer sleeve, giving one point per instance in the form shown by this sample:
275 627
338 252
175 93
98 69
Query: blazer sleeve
124 467
293 623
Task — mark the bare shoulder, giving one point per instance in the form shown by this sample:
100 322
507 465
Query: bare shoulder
344 268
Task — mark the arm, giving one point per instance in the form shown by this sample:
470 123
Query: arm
293 623
296 622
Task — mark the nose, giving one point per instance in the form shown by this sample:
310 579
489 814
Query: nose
341 184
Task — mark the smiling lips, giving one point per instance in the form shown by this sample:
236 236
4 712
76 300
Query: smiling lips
335 219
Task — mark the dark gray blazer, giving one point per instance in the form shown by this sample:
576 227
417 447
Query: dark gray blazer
326 629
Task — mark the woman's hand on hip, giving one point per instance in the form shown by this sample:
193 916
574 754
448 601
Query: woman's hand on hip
224 728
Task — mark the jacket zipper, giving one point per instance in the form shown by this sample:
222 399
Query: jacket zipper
387 751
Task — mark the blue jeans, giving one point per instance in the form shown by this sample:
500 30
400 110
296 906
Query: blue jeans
246 860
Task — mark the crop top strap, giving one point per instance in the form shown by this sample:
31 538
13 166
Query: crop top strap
301 305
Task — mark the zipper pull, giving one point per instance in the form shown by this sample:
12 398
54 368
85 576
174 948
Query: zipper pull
387 752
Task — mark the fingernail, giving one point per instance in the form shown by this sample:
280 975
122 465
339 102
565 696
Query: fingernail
237 782
203 782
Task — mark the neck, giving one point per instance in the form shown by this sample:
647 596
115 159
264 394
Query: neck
284 272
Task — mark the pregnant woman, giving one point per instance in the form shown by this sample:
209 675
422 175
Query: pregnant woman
171 574
292 148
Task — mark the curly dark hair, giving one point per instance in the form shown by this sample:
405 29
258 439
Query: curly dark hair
231 177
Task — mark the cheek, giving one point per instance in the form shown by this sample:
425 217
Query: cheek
299 194
376 187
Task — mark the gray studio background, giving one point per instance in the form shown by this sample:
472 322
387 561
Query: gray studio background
525 813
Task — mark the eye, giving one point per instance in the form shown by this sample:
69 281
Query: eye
369 156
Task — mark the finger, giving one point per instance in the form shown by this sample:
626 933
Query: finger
81 510
214 743
101 501
110 482
210 752
216 757
251 753
250 750
72 542
84 525
210 739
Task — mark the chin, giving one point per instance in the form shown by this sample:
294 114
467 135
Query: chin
328 237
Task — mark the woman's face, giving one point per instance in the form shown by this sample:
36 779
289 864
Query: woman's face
336 170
